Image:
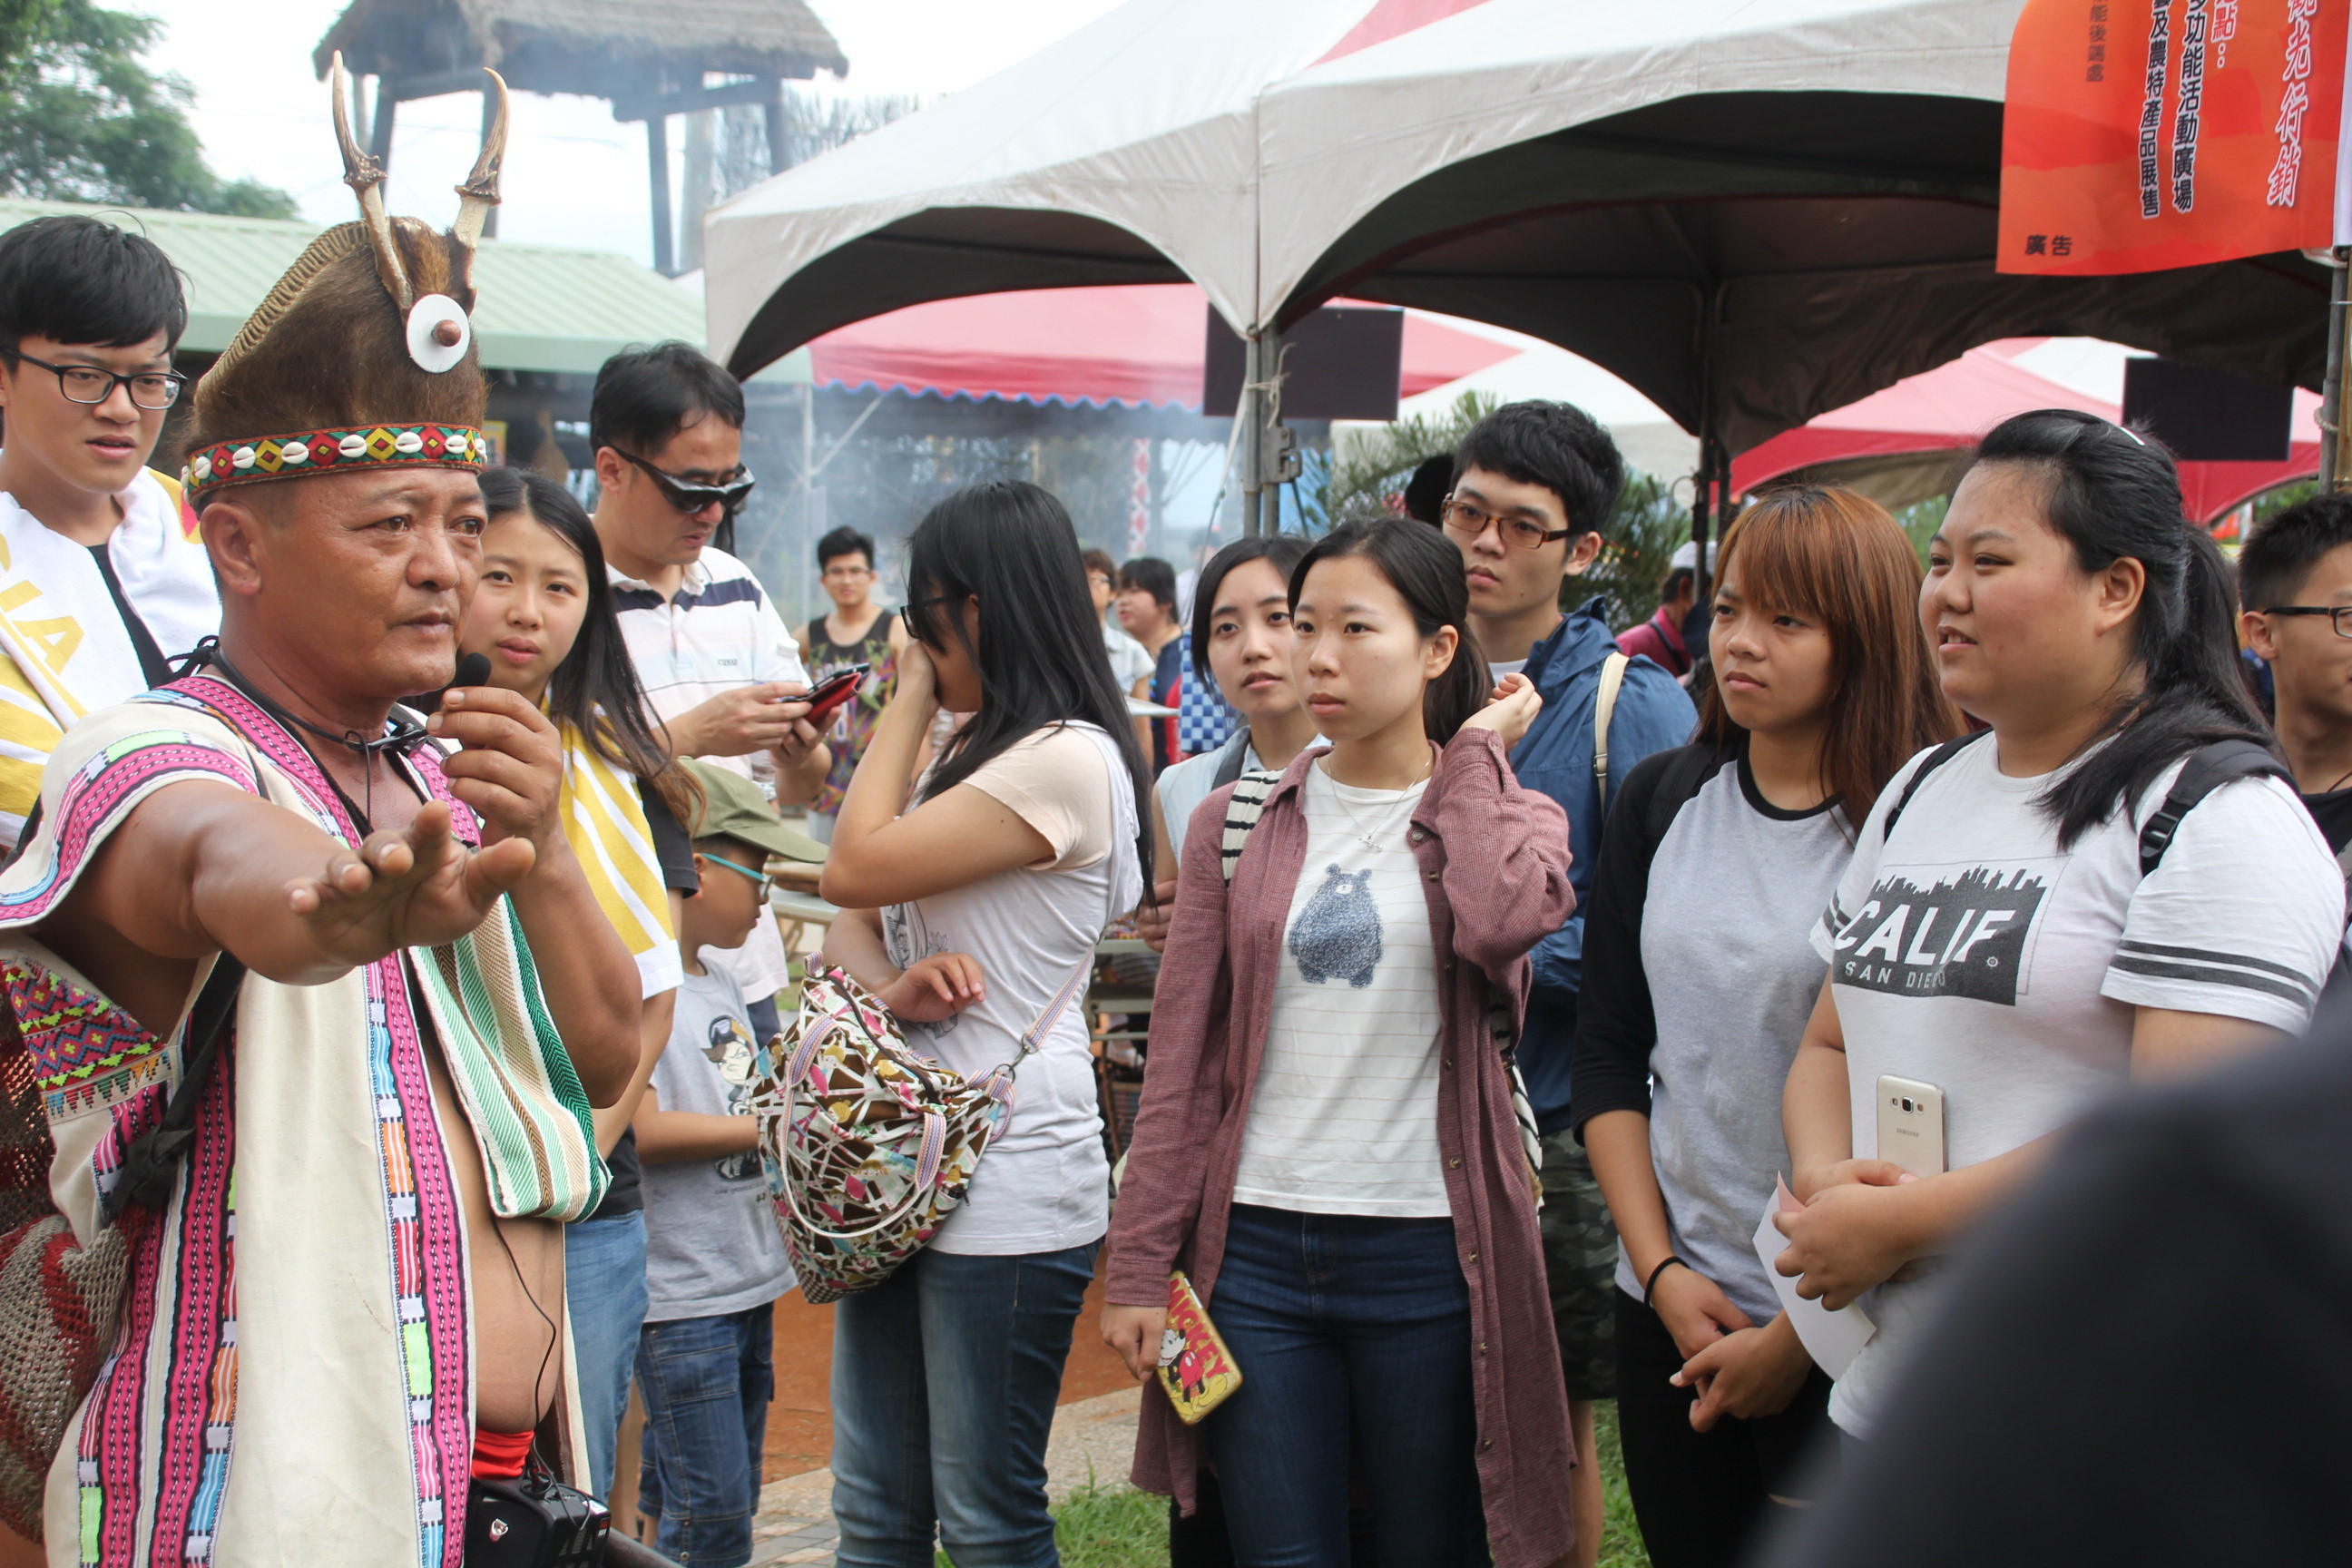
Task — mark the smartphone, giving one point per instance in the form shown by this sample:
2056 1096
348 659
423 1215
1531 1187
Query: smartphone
1911 1124
831 694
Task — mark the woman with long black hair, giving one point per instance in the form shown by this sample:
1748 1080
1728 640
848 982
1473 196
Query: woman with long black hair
543 615
969 910
2040 912
1326 1144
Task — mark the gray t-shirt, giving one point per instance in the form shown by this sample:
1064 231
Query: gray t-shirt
712 1242
1733 977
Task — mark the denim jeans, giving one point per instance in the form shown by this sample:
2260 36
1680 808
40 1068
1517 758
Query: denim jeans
605 1292
944 1380
706 1383
1351 1335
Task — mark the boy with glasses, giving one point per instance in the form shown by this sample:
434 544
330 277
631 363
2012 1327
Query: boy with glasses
104 576
720 672
2294 579
854 633
1533 485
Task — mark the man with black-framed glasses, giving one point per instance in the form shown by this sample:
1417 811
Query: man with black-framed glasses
2294 579
104 577
1534 483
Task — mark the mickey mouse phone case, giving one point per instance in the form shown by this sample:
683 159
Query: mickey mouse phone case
1195 1368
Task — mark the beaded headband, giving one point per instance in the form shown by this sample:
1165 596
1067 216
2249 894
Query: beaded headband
328 451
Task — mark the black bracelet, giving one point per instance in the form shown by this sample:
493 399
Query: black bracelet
1650 1285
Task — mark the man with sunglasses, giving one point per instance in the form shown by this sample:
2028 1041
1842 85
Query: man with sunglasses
103 578
2294 578
1533 485
720 671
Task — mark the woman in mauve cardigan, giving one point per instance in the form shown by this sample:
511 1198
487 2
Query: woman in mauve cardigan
1493 860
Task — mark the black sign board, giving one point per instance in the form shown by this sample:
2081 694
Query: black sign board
1340 362
2207 415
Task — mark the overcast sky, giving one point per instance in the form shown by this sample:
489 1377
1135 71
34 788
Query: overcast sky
573 175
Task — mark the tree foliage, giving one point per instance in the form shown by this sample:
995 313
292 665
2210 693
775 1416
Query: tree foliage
83 119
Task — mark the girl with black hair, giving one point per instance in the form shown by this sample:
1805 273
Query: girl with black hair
1326 1143
2018 931
1241 628
972 898
543 615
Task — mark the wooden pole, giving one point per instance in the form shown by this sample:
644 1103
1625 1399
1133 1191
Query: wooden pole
2333 474
779 138
658 167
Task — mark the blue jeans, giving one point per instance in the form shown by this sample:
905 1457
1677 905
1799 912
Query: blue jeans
1352 1334
944 1380
605 1292
706 1383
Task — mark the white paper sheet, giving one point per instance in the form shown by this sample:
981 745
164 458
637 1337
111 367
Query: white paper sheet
1832 1339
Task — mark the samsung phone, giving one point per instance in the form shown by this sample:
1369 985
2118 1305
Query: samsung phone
1911 1124
829 695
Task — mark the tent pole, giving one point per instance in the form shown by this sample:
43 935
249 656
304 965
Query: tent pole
2332 464
657 167
1251 411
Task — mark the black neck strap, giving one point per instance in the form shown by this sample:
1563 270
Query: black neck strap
405 735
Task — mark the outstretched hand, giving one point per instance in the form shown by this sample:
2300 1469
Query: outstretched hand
414 887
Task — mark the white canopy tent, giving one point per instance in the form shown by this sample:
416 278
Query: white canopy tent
1753 211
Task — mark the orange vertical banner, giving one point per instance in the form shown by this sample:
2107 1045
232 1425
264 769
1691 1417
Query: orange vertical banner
2142 134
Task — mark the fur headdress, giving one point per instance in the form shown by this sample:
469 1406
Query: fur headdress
363 353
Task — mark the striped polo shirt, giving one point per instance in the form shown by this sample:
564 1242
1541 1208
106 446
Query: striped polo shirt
720 634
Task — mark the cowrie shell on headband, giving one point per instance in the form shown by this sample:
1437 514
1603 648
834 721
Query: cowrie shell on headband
439 332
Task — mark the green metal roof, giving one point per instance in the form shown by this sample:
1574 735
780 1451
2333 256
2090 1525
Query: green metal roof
542 309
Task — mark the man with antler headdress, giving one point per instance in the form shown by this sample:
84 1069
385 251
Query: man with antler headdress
341 1272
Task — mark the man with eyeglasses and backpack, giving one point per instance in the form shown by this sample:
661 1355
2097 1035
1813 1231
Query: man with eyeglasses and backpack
1534 483
720 671
103 578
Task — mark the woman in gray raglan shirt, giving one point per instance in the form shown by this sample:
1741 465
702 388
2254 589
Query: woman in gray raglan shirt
1698 977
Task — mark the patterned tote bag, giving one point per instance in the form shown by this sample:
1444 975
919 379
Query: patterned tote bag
868 1145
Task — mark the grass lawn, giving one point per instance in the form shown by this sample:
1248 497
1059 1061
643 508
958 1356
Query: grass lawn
1118 1527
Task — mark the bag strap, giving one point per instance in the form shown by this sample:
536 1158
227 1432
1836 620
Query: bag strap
1935 759
2206 770
1685 775
150 1167
1231 761
1243 809
1604 709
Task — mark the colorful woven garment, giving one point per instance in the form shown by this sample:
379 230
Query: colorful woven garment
322 451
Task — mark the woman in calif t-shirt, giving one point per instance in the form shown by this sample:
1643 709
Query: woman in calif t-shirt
1326 1143
1999 942
970 916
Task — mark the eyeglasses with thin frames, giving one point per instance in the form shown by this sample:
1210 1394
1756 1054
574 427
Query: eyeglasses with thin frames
1467 522
906 613
690 496
89 384
2339 614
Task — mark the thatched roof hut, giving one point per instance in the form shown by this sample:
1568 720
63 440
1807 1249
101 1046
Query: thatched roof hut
626 50
650 59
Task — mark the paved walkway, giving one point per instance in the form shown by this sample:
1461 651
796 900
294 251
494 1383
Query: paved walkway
1092 1443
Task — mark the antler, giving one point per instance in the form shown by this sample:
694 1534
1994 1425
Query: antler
479 193
365 177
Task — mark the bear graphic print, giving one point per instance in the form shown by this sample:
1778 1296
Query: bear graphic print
1337 934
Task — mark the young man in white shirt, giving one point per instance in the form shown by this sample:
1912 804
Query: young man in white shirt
720 671
104 578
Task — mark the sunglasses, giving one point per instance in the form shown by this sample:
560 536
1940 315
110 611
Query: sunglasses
690 496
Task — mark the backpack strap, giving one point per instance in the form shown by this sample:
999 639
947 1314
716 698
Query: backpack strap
1247 805
1231 759
2206 770
1604 709
150 1167
1935 759
1685 775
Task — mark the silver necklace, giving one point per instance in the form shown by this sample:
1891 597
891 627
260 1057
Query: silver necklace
1370 838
